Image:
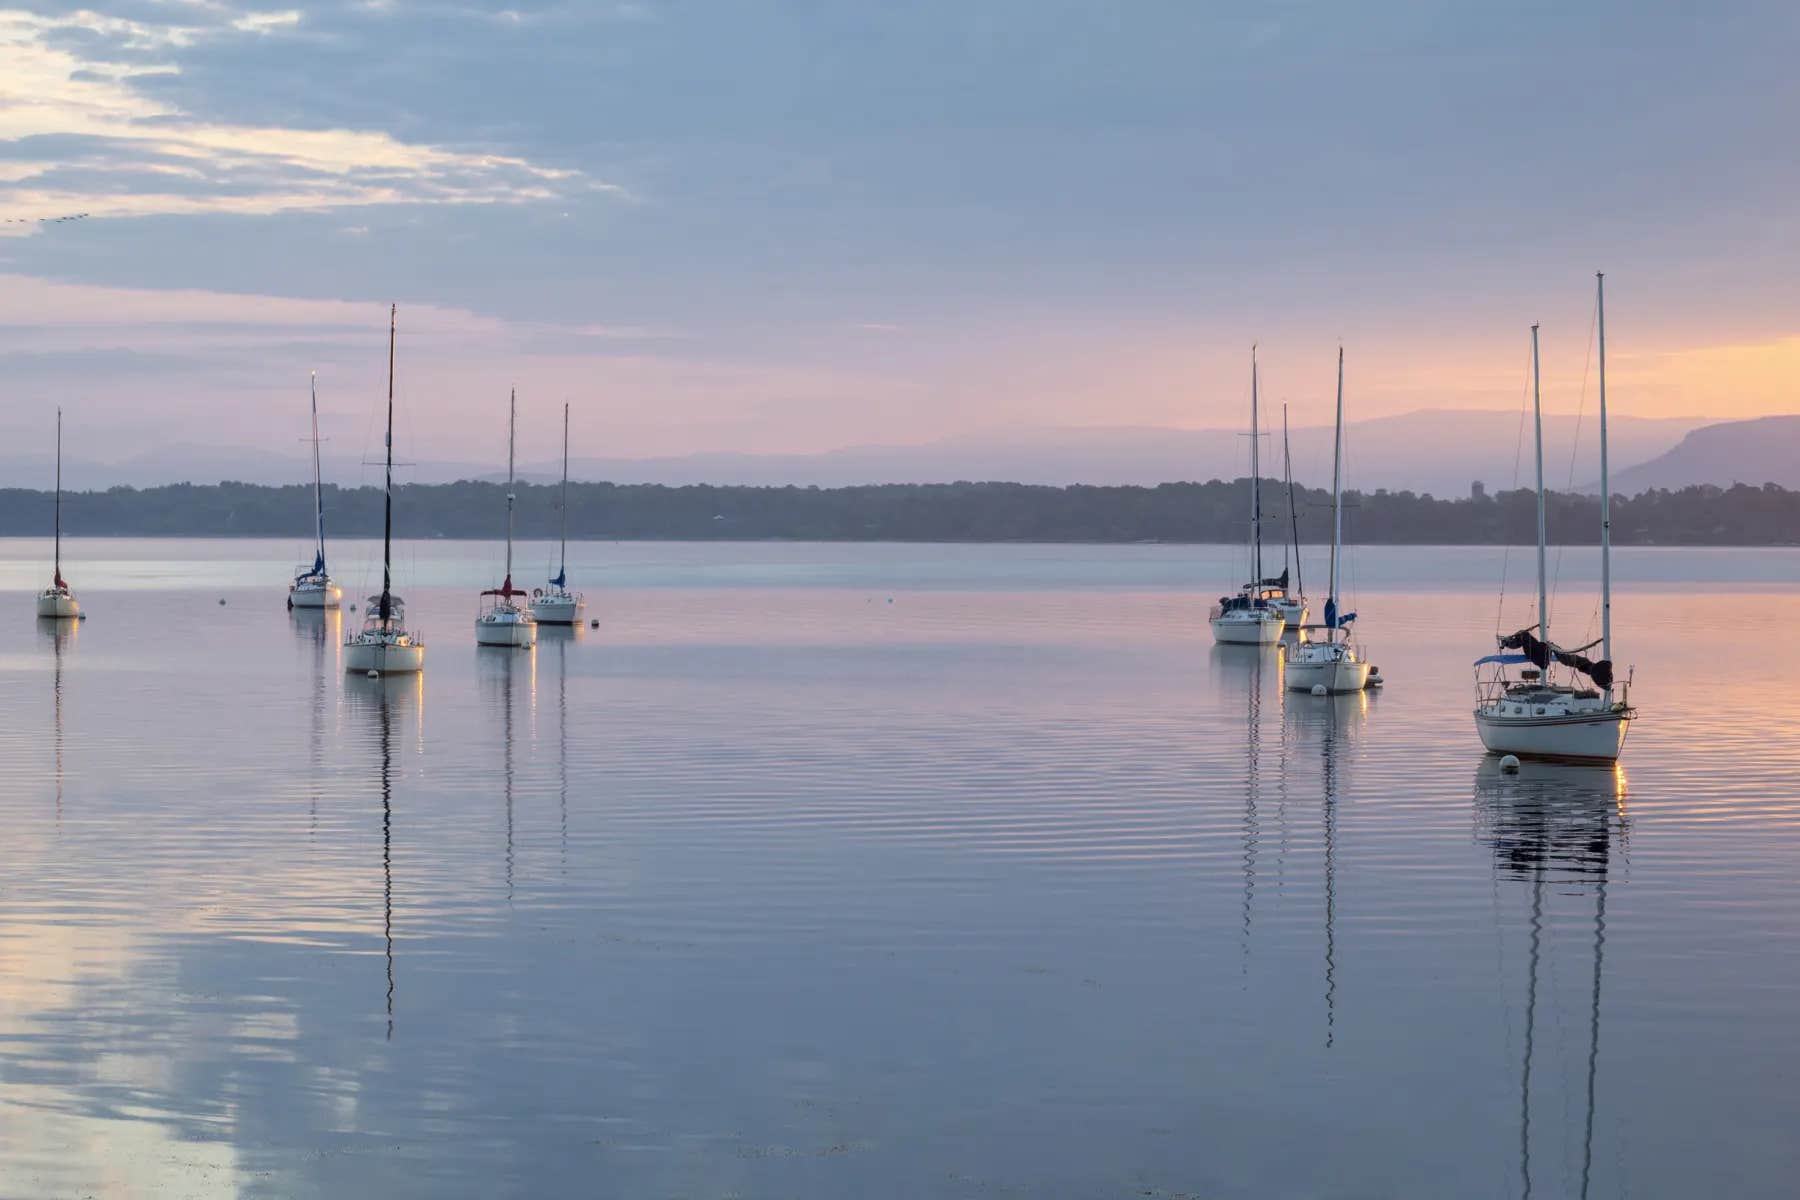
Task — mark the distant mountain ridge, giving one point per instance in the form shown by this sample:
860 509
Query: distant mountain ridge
1437 451
1757 451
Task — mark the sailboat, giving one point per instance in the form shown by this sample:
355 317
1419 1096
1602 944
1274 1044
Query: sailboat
384 645
557 605
501 622
1336 664
58 601
312 586
1250 617
1532 715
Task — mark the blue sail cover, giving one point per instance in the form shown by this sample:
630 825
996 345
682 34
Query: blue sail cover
1505 660
1332 619
318 567
560 579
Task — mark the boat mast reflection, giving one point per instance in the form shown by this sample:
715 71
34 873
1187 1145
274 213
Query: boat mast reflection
62 636
1554 826
562 753
1332 723
1252 786
317 628
502 672
378 705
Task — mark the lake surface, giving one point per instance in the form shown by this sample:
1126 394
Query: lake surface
885 871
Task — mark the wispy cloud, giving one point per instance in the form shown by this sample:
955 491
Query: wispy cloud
77 133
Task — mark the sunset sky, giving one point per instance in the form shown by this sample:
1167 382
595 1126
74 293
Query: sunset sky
795 226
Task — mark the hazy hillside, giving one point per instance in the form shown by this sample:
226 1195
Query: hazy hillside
1764 450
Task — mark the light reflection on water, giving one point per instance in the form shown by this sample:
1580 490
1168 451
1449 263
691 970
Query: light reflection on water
843 887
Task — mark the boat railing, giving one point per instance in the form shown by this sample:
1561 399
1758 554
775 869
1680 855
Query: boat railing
1491 687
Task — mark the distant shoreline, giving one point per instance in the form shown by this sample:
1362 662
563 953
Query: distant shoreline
1182 514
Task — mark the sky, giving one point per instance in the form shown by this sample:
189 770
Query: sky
780 227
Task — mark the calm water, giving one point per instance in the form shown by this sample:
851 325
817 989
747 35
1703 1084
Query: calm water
900 871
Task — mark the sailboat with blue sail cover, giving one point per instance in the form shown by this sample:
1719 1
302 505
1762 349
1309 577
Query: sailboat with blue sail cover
313 586
557 605
1335 664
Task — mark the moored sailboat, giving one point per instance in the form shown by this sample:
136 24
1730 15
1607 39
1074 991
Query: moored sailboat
557 605
313 586
1532 715
1335 664
500 621
58 600
384 646
1251 617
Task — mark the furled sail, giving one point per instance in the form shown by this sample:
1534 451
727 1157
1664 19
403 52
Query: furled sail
1280 581
1540 653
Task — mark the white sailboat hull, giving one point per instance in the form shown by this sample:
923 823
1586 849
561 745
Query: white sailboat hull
401 657
556 609
517 630
1596 735
1341 675
61 606
325 597
1262 629
1293 612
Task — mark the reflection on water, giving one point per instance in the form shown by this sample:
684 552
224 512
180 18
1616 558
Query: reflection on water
381 708
1555 829
788 890
61 635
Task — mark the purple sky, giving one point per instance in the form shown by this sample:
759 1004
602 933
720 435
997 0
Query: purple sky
781 227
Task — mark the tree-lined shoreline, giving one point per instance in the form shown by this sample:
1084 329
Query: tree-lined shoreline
1213 512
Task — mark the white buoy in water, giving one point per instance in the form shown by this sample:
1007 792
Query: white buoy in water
1509 764
374 674
1320 689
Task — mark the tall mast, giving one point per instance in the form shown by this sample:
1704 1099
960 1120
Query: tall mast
387 516
1337 505
512 425
58 552
562 569
1605 490
318 485
1287 466
1255 482
1537 416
